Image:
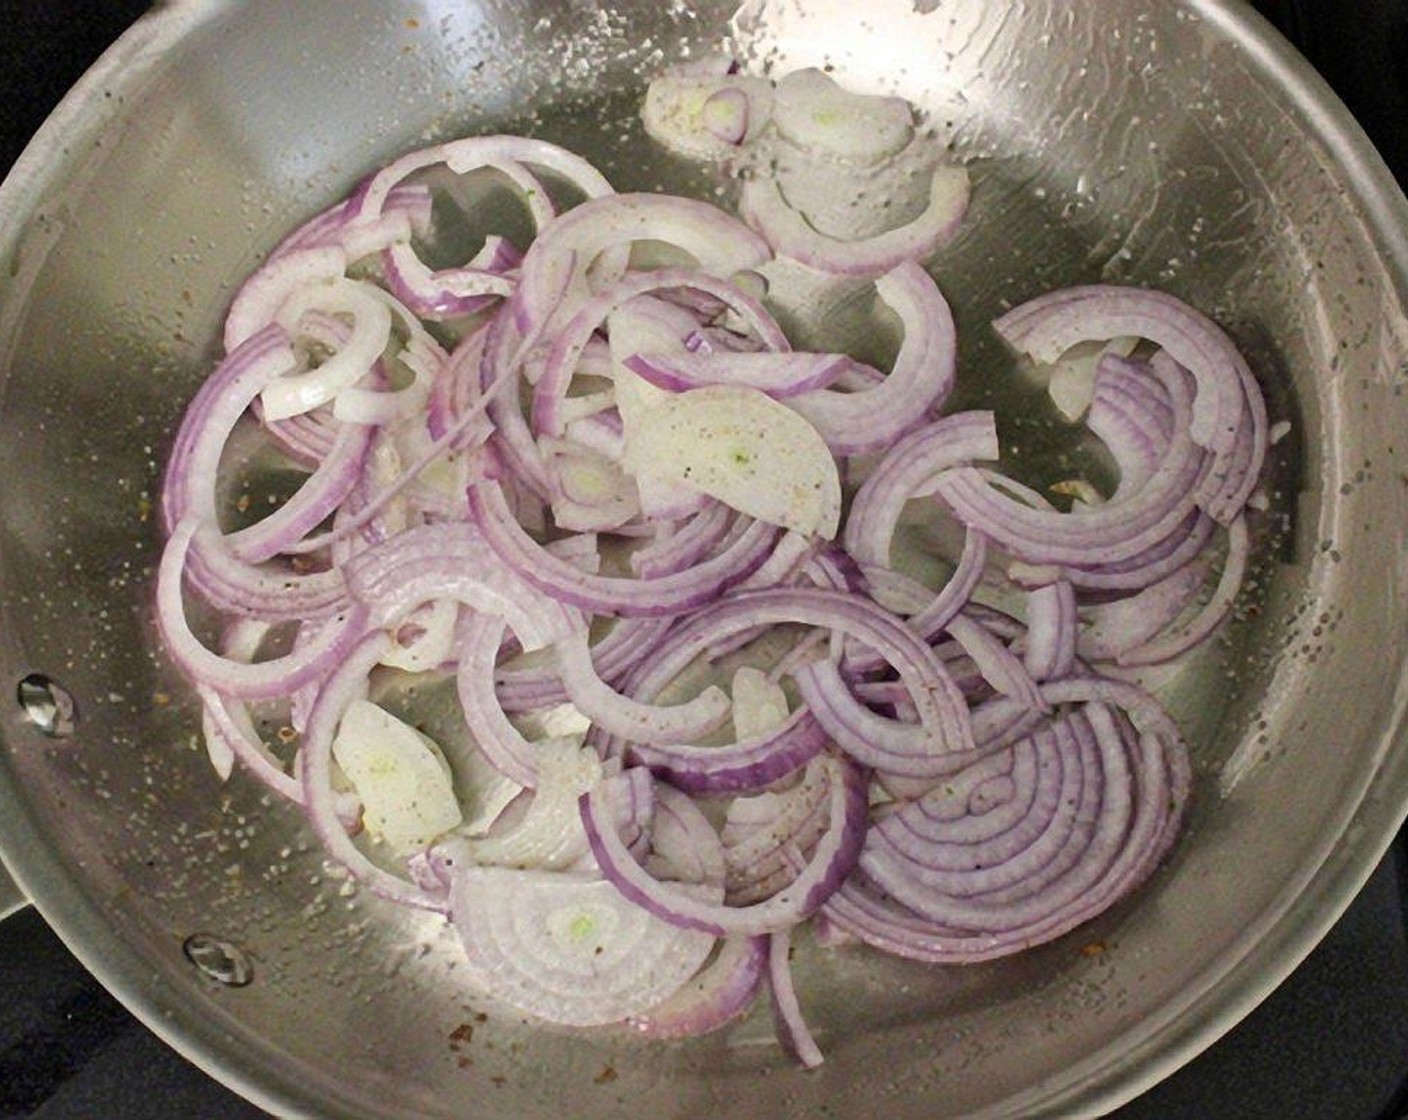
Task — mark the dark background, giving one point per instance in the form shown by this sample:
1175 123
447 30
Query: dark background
1330 1044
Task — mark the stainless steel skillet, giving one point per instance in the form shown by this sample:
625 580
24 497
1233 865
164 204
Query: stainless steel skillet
1169 144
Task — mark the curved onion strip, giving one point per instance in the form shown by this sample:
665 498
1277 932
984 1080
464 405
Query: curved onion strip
892 746
1169 645
572 339
717 995
502 743
918 749
1052 630
746 764
621 715
295 393
502 153
780 375
1228 399
273 593
720 243
1131 413
906 471
1033 532
667 594
792 1028
262 680
833 859
549 836
1120 625
450 560
999 666
316 499
443 294
523 688
1183 544
189 481
260 297
920 379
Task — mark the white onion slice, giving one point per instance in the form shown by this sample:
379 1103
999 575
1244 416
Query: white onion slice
743 448
568 948
812 111
400 774
790 235
297 393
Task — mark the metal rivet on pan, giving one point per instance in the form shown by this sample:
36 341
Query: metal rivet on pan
46 705
221 960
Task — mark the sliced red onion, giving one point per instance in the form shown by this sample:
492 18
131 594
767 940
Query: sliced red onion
1131 413
792 1028
677 547
746 764
575 335
1053 628
549 835
921 378
317 499
706 114
908 470
684 847
917 749
813 111
229 721
260 297
229 732
272 592
494 518
668 594
1228 399
1121 625
502 743
624 646
1181 638
441 294
1183 544
451 561
999 666
1017 894
375 403
296 393
243 681
766 836
832 861
407 211
1111 533
637 720
780 375
720 243
718 994
189 481
504 154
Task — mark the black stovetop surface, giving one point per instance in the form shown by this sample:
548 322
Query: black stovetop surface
1330 1044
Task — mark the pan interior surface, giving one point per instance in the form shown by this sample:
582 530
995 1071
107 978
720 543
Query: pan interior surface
1161 144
